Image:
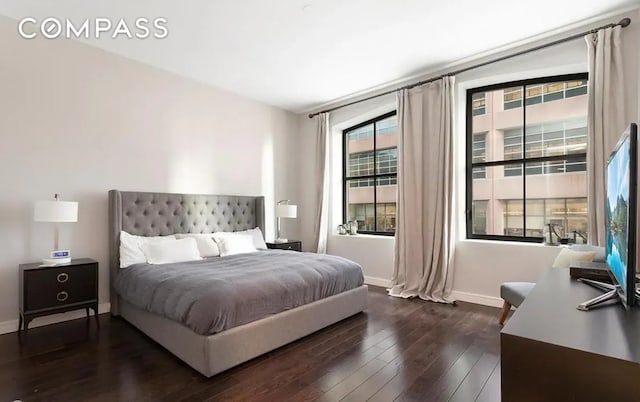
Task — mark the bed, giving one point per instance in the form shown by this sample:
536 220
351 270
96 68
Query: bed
213 346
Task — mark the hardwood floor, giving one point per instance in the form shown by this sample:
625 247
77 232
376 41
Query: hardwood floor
402 350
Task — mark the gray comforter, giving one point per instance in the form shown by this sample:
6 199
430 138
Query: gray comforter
219 293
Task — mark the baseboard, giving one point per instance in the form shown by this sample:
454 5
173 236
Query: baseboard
372 280
12 325
477 298
458 295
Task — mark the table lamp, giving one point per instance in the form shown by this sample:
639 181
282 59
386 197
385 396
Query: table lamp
56 211
284 210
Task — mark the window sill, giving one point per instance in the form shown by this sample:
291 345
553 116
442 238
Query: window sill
363 236
511 243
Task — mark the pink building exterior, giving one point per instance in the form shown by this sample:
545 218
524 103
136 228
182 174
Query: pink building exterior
364 195
496 188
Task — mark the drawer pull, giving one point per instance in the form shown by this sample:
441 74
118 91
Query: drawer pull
62 296
63 277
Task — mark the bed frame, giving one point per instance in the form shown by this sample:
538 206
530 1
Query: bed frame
161 214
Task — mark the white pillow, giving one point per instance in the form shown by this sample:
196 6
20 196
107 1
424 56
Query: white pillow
130 251
171 251
256 235
236 244
206 245
568 257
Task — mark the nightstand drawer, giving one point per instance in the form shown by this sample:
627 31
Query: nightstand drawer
291 245
59 286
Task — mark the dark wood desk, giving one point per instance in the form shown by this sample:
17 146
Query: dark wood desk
551 351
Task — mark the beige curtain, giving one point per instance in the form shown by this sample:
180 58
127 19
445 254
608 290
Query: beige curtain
424 238
606 119
321 220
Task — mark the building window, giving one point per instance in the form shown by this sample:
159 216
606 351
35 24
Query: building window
546 92
568 217
479 104
479 153
371 174
526 163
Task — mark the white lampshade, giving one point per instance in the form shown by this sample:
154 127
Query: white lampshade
55 211
286 211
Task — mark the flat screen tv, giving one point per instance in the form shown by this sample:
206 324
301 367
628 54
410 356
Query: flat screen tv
620 215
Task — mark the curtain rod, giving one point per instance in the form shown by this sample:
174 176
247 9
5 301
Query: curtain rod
623 23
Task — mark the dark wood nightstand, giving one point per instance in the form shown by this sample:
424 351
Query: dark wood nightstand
295 245
56 289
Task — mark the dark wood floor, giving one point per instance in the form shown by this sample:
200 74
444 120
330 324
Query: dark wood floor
404 350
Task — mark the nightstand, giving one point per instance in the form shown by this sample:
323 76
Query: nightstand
295 245
46 290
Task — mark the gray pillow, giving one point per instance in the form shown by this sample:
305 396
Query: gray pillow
600 251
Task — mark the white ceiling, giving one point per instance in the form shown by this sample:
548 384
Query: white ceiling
299 54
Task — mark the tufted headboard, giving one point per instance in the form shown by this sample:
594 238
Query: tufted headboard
162 214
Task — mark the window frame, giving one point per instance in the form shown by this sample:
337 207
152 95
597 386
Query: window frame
470 165
375 176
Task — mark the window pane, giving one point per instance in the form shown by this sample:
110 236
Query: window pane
363 213
387 160
489 212
534 94
361 133
553 138
479 217
360 163
575 88
512 143
386 207
512 98
497 135
549 192
359 151
513 217
479 148
535 218
577 219
386 217
387 126
478 104
359 201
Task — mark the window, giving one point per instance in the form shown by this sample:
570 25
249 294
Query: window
543 93
526 162
479 153
479 104
569 217
371 174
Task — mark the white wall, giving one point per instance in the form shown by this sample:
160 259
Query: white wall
479 266
80 121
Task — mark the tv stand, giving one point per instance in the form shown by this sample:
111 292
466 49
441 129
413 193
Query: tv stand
611 293
552 352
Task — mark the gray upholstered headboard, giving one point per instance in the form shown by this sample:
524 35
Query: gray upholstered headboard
161 214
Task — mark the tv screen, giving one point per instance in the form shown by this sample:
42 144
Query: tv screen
620 214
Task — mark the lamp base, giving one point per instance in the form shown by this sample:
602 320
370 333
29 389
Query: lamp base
281 241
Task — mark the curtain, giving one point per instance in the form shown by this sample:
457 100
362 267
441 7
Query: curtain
606 120
424 224
321 220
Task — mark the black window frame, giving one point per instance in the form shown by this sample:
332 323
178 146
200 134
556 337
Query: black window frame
470 165
375 176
